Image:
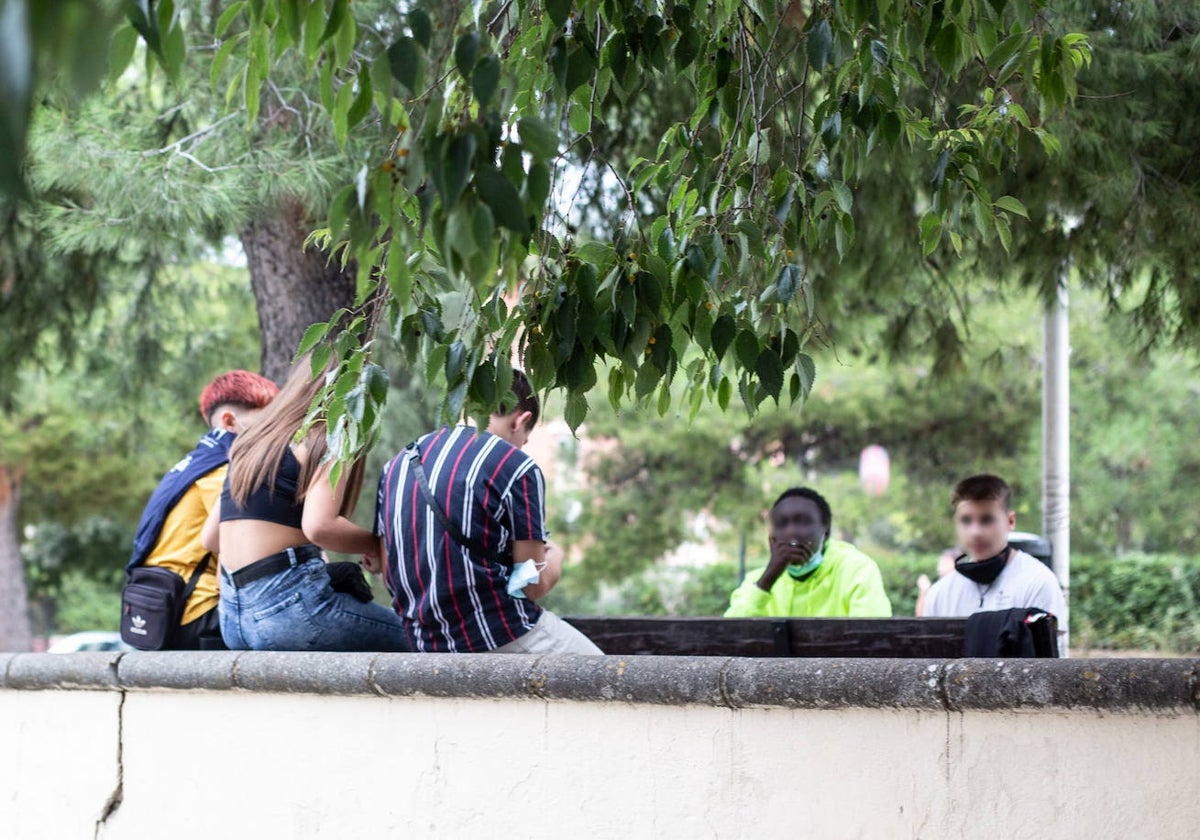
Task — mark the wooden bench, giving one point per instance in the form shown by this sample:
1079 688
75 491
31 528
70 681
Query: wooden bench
914 638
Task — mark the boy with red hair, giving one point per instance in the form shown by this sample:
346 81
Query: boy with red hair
168 535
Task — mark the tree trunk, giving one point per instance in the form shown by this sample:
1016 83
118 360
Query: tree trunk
1124 532
15 631
294 287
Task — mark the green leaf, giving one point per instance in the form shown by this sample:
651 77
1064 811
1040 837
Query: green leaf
746 348
483 384
222 57
664 400
686 49
455 400
538 138
466 52
405 57
770 372
660 347
311 336
790 347
1007 49
576 411
627 302
807 369
362 99
456 358
723 331
355 403
456 169
314 25
788 283
820 45
723 66
486 79
120 51
321 355
375 378
558 10
842 195
616 387
1012 205
650 291
946 47
581 67
483 228
648 377
538 184
140 15
831 129
931 232
421 26
227 18
337 16
502 197
724 393
1004 231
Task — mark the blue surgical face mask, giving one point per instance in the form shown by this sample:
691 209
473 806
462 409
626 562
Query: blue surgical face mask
808 567
522 574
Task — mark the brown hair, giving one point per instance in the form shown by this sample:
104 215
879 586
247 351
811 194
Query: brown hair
984 487
256 454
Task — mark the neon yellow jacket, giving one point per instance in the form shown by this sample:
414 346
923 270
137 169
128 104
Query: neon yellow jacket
846 584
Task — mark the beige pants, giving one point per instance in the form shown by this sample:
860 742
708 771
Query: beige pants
551 635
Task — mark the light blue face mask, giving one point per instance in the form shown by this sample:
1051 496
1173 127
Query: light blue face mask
807 568
522 574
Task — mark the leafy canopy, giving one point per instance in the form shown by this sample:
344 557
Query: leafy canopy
480 121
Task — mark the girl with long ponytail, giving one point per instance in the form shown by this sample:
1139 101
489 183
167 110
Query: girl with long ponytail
278 511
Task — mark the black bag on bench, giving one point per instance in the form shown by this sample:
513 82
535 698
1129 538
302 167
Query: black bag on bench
1021 632
152 604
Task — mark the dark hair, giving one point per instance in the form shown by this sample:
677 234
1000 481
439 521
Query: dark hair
526 399
814 497
984 487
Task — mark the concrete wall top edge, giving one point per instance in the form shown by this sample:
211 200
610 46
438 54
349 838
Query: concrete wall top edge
1116 685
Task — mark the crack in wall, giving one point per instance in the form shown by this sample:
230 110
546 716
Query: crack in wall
118 794
723 684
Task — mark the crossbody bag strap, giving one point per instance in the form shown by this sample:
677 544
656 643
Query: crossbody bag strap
414 458
193 580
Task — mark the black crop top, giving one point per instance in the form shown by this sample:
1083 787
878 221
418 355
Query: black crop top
278 505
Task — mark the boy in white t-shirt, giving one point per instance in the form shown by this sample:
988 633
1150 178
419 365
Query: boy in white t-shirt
991 575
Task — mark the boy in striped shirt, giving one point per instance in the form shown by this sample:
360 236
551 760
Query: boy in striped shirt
461 551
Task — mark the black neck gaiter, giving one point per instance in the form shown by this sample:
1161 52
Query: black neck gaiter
982 571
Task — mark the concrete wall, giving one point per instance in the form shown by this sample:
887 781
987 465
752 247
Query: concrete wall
299 745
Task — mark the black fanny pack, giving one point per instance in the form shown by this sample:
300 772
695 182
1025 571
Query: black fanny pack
152 604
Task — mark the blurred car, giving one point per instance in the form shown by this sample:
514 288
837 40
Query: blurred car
87 641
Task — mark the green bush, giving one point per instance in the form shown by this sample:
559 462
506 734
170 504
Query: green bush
1137 601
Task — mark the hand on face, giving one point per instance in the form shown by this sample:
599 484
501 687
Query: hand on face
786 553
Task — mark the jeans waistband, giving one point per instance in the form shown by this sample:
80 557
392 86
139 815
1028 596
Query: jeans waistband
273 564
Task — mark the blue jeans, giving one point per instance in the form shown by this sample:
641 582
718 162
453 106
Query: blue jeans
296 609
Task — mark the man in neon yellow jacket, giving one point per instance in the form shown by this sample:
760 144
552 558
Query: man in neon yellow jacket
810 575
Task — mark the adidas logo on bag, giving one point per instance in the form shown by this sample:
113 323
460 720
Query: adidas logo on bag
139 624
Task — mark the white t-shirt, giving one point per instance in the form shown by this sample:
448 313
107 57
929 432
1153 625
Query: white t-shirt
1024 582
